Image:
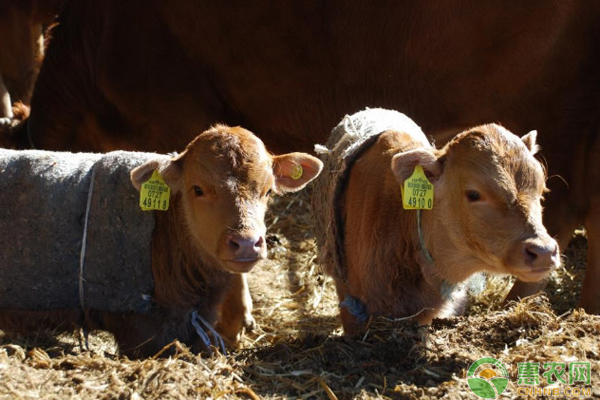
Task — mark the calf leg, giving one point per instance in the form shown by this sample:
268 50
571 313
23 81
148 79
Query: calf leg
352 324
523 289
145 335
25 322
236 310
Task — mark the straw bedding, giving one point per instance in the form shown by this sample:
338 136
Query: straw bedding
298 351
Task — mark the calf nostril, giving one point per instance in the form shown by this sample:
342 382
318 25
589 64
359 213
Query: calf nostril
530 254
244 245
541 254
232 243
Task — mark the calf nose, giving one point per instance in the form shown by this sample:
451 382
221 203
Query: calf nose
244 246
541 255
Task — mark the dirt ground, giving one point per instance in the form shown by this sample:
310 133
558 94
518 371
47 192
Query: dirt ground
298 351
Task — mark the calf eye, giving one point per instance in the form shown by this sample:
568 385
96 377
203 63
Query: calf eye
473 195
197 191
268 193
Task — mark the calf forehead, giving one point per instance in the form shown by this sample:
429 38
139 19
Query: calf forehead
224 155
493 154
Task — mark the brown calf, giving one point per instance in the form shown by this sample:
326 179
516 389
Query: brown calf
486 216
212 233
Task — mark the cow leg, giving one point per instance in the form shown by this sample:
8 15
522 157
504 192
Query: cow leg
5 104
590 297
236 310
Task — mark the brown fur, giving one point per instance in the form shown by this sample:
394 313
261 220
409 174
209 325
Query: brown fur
134 75
386 267
13 130
22 44
198 250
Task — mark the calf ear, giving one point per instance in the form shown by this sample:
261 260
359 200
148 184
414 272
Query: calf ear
403 164
294 170
170 170
530 141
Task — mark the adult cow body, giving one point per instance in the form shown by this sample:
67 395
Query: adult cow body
130 74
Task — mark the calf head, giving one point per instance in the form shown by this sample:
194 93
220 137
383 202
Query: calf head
488 192
223 180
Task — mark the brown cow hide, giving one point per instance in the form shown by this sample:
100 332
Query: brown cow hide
353 135
43 200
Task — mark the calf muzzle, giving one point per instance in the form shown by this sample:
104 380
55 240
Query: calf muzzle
540 256
243 250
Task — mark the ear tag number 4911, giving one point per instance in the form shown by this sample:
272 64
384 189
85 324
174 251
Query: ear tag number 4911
155 193
417 191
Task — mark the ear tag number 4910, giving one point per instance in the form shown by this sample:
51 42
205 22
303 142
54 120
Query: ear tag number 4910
417 191
155 193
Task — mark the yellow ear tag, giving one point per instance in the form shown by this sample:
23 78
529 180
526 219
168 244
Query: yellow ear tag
417 191
297 172
155 193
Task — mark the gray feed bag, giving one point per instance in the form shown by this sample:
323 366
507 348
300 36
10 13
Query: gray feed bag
43 201
348 140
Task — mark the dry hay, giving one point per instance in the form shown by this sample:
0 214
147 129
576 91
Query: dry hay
298 351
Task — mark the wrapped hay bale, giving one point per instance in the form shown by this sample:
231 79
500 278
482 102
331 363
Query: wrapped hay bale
43 202
347 141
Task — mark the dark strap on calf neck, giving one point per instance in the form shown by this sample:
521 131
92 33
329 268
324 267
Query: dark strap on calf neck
357 308
196 320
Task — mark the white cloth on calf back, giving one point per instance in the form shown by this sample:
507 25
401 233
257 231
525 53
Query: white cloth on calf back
43 199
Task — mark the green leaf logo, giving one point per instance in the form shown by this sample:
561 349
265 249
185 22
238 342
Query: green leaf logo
487 378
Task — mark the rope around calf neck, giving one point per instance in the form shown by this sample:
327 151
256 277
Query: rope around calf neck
422 239
196 319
